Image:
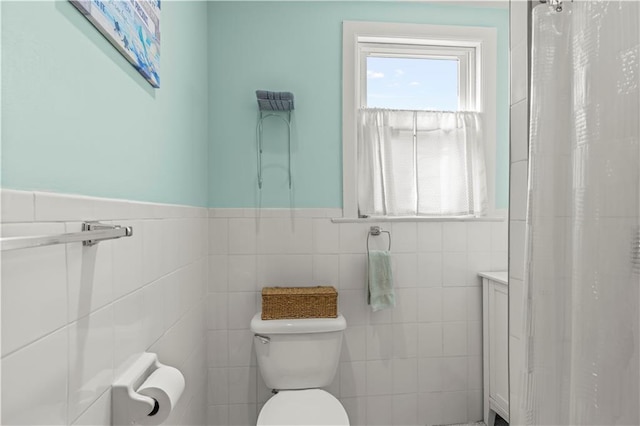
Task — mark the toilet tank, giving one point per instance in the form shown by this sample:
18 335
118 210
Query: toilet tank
298 353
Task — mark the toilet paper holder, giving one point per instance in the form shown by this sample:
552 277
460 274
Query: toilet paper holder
127 405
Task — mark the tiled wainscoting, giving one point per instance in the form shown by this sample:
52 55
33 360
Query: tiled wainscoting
419 363
74 317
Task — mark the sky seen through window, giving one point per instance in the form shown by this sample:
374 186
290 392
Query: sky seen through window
412 83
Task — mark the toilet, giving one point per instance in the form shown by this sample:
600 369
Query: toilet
297 357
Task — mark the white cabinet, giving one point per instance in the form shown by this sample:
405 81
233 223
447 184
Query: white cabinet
495 334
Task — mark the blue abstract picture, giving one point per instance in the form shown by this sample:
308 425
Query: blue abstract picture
133 27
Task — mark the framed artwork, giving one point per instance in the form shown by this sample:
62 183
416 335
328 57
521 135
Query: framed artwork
133 27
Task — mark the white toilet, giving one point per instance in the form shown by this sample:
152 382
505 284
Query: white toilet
297 357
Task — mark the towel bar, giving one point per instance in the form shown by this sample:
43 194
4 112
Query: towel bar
92 233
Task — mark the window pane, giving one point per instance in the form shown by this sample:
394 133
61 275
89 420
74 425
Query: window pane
412 83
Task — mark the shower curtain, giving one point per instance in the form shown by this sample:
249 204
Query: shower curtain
581 302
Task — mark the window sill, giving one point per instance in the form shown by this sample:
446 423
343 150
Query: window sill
377 219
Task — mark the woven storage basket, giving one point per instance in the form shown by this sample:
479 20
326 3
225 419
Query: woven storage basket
299 302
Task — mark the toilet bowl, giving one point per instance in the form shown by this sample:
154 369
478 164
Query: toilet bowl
296 358
303 407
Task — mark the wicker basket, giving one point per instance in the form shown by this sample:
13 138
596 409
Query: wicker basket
299 302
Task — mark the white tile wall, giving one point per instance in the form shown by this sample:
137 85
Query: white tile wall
519 152
518 196
519 132
84 298
98 414
32 309
519 72
17 206
34 382
90 359
73 317
419 363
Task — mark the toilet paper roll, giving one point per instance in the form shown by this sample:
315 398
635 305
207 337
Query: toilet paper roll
165 385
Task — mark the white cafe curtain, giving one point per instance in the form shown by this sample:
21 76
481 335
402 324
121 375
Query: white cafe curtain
420 163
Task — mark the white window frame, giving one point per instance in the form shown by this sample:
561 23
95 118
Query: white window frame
476 45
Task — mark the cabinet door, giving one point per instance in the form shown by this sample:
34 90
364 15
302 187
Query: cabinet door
499 345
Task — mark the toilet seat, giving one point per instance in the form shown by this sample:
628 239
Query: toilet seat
303 407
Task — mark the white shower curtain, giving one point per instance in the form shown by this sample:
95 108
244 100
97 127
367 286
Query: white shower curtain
581 289
420 163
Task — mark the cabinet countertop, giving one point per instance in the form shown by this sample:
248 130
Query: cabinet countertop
497 276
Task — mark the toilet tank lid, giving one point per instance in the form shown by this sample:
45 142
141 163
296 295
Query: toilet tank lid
296 326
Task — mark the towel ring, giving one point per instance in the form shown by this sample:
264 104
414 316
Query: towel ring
375 231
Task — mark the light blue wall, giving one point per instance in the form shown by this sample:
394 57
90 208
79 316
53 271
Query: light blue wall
77 118
297 47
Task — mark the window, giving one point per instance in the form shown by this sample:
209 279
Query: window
411 83
415 77
405 73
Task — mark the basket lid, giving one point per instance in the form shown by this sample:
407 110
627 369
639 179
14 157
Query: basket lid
294 291
297 326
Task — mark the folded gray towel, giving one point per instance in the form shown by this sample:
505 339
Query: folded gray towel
262 94
266 94
274 105
274 101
